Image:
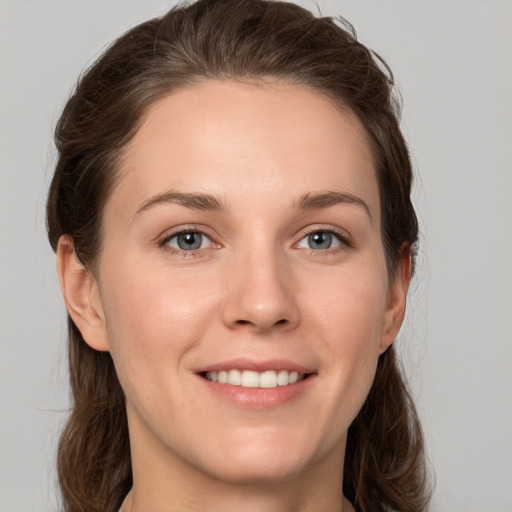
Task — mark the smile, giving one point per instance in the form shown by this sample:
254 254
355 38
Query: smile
252 379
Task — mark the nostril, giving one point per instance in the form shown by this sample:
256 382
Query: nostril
283 321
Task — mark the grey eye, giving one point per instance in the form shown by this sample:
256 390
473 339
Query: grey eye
320 240
189 241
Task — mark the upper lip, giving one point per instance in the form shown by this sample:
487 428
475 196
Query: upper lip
255 365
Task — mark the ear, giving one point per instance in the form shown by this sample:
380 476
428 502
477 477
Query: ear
395 309
81 295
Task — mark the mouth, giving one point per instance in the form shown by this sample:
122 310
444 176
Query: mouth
266 379
258 384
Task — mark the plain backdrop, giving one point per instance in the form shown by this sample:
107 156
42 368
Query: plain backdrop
453 64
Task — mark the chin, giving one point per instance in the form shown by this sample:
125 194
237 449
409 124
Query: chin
257 472
262 463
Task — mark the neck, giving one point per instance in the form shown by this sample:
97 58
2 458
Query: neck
346 506
244 500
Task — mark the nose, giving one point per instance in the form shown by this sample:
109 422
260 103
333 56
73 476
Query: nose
260 295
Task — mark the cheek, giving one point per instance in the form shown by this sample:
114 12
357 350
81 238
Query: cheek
351 308
152 300
153 319
350 315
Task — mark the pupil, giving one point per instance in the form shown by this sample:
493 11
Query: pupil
320 240
188 241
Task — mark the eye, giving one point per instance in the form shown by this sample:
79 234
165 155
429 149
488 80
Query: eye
188 241
320 240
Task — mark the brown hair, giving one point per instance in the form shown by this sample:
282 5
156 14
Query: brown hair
232 39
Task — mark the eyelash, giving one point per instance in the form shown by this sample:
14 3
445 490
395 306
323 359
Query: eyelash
344 239
180 252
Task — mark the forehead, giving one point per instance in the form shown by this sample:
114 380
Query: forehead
234 139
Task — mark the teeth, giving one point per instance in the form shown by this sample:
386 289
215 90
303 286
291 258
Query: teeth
235 377
283 377
294 377
268 379
252 379
249 379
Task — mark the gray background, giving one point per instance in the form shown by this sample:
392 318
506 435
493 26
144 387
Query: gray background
453 63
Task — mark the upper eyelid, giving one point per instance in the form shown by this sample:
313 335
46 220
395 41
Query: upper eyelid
168 234
177 233
164 244
343 235
339 232
343 242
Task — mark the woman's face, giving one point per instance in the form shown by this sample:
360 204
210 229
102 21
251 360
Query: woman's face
242 284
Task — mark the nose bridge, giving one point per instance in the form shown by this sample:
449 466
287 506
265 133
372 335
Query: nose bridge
260 290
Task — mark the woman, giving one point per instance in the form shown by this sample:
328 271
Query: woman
235 239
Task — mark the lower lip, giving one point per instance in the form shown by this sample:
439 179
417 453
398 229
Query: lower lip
259 398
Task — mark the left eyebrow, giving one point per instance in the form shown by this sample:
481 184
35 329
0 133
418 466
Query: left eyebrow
313 201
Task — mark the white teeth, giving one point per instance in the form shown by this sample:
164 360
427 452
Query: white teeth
235 377
268 379
252 379
283 378
294 377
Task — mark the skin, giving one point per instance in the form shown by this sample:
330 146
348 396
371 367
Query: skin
255 289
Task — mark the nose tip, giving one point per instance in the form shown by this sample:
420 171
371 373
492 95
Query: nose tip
261 299
263 320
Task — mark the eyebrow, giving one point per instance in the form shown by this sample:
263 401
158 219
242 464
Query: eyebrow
195 201
313 201
209 202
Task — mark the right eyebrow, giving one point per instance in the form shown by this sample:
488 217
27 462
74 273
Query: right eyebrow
196 201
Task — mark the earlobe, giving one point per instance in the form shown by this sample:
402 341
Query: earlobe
81 295
395 309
